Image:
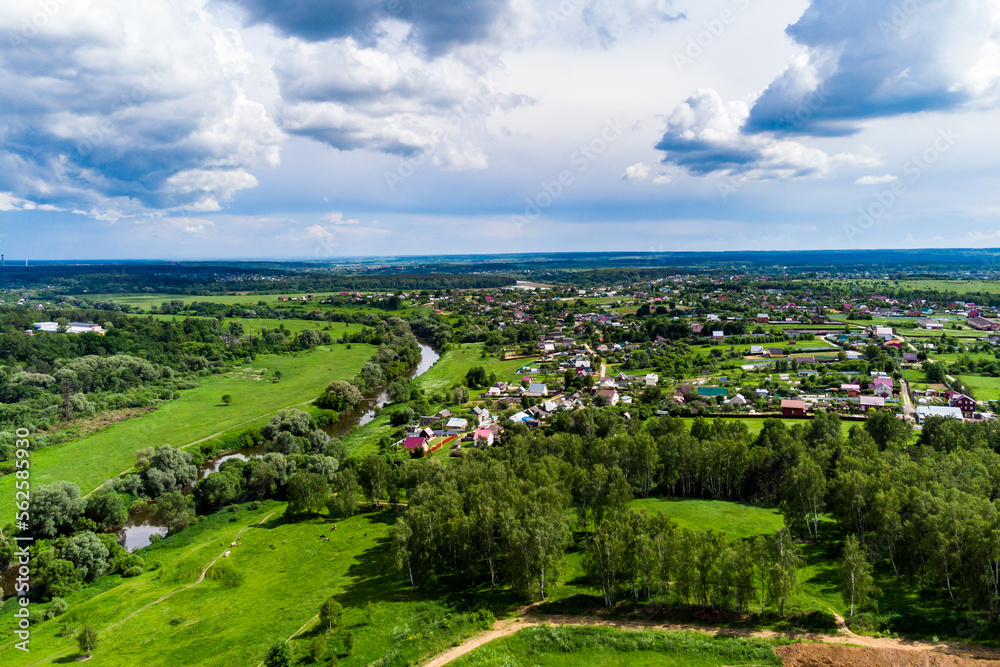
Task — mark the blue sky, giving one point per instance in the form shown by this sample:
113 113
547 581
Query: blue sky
318 129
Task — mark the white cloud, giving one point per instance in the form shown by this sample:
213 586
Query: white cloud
118 109
636 172
876 180
337 218
663 179
705 135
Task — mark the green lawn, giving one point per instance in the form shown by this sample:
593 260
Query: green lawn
756 425
148 300
197 414
253 325
736 520
611 647
253 598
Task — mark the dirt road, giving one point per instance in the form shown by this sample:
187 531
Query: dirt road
825 649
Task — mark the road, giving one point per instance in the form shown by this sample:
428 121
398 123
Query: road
510 626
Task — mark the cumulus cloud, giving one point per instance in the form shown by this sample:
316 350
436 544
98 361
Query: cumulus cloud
663 179
636 172
706 135
115 109
876 180
391 100
879 58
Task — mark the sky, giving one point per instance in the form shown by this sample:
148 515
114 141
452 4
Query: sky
317 129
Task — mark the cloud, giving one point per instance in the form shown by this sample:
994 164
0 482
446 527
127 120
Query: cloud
706 135
437 27
337 218
390 100
876 180
869 59
663 179
319 233
117 109
636 172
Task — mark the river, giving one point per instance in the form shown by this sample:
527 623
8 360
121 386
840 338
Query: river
143 525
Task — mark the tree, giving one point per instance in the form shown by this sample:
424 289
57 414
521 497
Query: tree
279 655
317 648
339 396
857 586
86 639
54 508
330 613
87 553
307 492
107 509
461 394
476 377
217 490
175 509
887 431
374 473
349 642
227 399
803 495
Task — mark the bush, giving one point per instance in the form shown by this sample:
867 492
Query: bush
279 655
57 608
133 571
154 566
484 619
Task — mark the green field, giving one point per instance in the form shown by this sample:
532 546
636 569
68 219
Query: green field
455 363
253 325
568 646
736 520
197 414
148 300
985 388
251 599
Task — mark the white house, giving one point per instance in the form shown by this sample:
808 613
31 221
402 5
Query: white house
652 380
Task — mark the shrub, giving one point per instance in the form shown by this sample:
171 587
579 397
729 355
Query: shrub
133 571
57 608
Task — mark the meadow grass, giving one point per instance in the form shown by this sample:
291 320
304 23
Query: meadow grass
736 520
985 388
456 362
198 413
256 596
582 646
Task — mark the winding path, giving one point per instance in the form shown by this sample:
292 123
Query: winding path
200 579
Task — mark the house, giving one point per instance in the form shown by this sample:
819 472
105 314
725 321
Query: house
696 328
851 389
651 380
966 404
484 433
885 333
457 424
417 445
925 411
480 414
762 393
537 389
494 391
911 357
718 335
738 399
775 352
930 325
882 390
763 318
793 408
872 402
756 349
610 395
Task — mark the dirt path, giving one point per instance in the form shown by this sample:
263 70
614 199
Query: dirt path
929 654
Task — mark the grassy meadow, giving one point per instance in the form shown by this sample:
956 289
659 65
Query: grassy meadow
612 647
256 596
197 414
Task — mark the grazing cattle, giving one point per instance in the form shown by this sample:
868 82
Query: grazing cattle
323 536
227 554
272 546
283 541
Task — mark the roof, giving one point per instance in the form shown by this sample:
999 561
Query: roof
875 401
414 442
793 404
938 411
712 391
